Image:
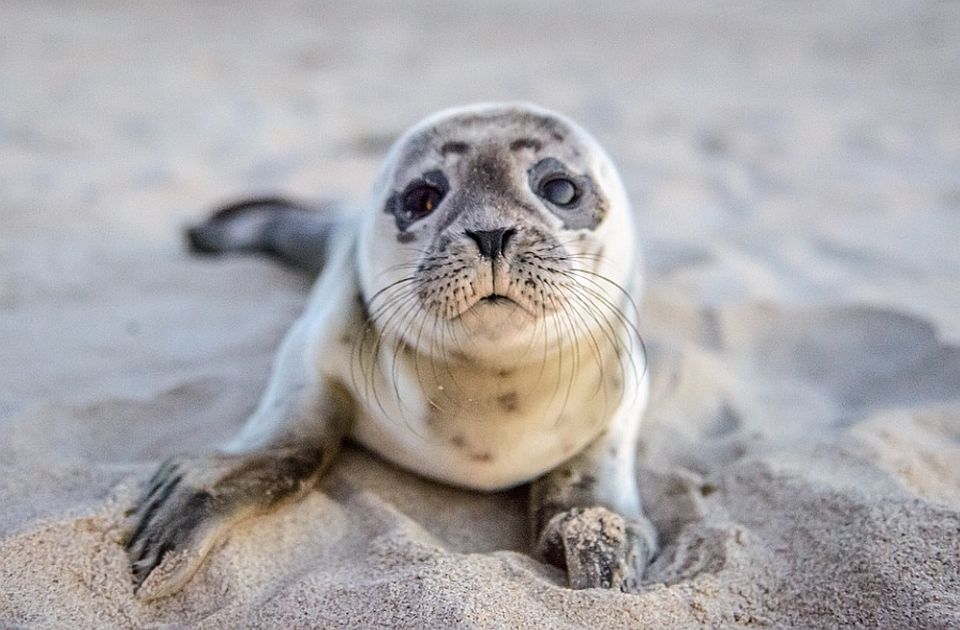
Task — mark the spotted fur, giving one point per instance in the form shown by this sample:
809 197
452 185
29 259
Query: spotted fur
487 341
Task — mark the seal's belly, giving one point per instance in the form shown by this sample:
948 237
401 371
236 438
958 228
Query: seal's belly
472 453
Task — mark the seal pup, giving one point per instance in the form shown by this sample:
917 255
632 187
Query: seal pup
474 323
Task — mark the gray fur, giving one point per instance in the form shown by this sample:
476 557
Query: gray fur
294 233
191 498
409 311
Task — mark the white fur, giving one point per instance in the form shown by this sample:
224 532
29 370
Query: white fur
447 418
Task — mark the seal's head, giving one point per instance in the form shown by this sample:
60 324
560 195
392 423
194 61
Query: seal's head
496 231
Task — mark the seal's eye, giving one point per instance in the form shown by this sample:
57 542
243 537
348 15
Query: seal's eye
418 199
559 191
421 200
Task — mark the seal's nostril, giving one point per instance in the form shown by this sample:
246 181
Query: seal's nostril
491 243
507 235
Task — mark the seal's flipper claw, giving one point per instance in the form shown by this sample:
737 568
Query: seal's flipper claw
194 502
176 552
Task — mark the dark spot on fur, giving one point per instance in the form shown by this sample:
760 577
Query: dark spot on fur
481 457
504 373
707 489
526 143
458 441
406 237
454 147
585 482
508 401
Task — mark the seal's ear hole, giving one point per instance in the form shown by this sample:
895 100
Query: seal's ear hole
559 191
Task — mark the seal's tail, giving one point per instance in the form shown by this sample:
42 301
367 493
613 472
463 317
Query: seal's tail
295 233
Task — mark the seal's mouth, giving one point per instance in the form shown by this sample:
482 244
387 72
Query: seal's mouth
495 299
493 304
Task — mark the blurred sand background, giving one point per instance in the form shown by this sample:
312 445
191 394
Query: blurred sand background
796 171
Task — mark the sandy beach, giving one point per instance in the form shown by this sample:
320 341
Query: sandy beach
796 172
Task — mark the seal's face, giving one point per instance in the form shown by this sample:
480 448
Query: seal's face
498 230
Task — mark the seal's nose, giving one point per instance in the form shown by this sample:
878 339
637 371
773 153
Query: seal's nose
491 243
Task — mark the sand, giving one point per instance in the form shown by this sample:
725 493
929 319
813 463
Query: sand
796 170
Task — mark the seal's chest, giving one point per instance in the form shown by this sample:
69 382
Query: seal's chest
479 426
483 440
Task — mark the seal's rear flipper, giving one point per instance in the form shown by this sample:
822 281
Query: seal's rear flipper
290 231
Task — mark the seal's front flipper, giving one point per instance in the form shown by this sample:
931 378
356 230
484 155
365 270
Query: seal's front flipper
598 547
587 519
293 232
192 502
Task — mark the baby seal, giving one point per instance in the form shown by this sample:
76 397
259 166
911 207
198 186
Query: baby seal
475 323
